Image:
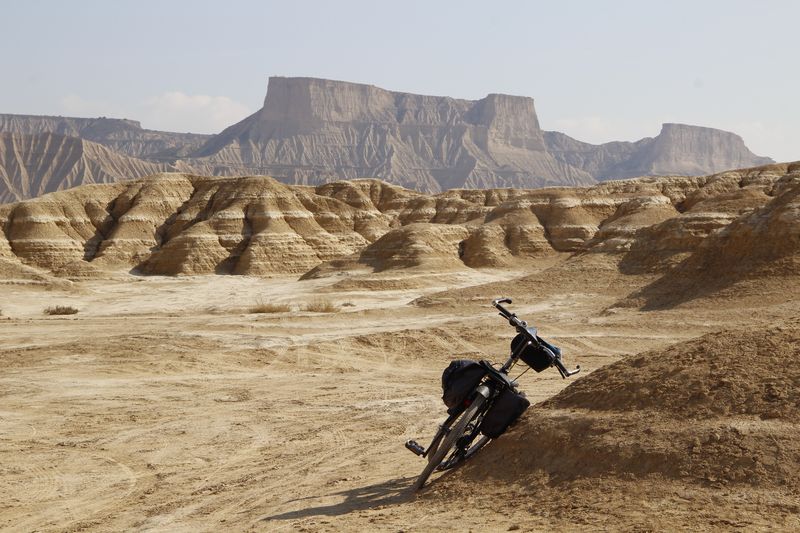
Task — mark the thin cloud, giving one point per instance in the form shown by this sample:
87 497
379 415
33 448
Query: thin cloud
75 106
168 111
198 113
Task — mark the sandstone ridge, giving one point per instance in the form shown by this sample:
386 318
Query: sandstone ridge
185 224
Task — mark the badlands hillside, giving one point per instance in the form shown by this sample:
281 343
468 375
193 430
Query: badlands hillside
182 224
313 131
124 136
32 165
180 352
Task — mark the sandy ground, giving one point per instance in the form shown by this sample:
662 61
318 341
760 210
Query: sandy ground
164 405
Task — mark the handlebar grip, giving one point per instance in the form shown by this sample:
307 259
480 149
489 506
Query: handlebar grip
498 303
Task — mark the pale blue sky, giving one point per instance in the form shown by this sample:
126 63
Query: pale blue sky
599 71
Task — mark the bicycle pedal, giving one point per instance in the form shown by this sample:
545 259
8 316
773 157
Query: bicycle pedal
415 447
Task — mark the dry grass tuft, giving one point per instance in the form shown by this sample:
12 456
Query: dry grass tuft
268 307
322 306
61 310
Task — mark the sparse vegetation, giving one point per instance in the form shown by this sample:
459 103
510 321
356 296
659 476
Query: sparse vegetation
322 305
61 310
268 307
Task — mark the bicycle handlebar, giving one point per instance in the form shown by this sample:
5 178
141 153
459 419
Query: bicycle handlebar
508 315
521 327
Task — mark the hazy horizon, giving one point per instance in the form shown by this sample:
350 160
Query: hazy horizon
598 73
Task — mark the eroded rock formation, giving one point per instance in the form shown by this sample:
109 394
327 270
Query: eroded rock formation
121 135
32 165
182 224
679 150
313 131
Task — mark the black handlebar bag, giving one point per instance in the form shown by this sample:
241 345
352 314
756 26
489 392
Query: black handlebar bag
535 355
459 379
503 413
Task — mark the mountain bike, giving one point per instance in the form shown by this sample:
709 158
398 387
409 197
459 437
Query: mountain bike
483 400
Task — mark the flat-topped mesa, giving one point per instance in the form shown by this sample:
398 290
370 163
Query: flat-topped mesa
72 126
511 119
310 102
314 101
681 149
313 130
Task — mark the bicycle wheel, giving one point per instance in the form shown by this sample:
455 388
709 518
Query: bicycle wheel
450 440
472 450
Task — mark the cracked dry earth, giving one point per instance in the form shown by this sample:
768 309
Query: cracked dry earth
163 405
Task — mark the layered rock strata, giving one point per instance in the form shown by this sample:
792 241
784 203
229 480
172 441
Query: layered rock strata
183 224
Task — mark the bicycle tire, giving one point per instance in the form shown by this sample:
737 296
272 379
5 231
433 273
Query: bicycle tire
482 441
449 441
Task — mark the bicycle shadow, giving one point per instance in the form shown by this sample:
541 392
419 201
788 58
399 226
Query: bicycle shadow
392 492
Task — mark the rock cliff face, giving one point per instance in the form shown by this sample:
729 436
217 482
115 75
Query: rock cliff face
690 151
121 135
679 150
32 165
182 224
312 131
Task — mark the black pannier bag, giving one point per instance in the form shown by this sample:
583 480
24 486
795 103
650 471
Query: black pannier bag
459 380
535 356
505 410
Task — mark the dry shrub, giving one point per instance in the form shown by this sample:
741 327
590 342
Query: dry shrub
267 307
60 310
322 306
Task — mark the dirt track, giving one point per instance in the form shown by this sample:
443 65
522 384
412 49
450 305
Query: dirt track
163 405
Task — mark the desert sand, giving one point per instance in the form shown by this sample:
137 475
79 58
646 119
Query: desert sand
166 404
163 404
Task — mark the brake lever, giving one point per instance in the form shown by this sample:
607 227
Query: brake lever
563 370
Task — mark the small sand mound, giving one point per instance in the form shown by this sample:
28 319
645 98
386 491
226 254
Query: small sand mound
377 284
726 373
79 270
13 271
430 245
717 411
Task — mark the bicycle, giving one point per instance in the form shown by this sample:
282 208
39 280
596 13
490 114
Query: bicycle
489 402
